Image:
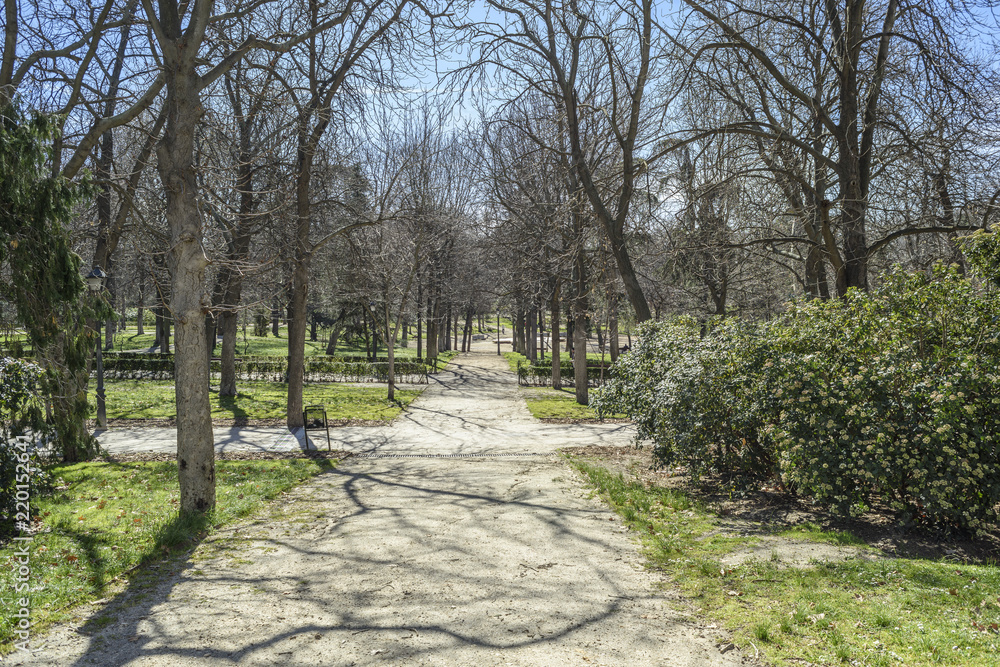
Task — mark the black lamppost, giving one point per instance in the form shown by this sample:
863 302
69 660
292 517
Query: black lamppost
95 281
498 333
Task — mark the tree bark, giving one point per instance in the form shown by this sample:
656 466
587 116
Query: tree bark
532 335
467 333
331 345
227 365
556 370
186 259
432 329
613 327
580 318
390 350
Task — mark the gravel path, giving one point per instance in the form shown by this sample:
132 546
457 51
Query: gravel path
457 538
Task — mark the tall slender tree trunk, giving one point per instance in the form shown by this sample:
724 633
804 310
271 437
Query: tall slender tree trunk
187 262
580 353
467 333
228 315
420 320
433 305
390 348
613 325
556 357
540 315
532 335
580 316
227 364
447 333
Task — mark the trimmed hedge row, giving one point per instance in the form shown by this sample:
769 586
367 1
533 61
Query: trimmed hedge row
891 396
539 374
270 369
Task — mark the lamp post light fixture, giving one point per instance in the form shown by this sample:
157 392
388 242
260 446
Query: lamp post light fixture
95 281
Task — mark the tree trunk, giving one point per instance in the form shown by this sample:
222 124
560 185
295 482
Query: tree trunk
540 318
815 270
331 345
613 328
297 322
110 327
157 326
532 335
420 318
580 316
447 333
432 329
390 351
227 366
210 336
580 354
420 322
467 333
228 315
163 330
187 262
139 326
556 357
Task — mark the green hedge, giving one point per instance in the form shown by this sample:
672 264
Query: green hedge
539 373
124 366
890 396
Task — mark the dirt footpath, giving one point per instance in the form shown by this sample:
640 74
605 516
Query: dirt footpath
410 561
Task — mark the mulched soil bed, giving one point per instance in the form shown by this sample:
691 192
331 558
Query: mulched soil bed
774 510
228 423
229 456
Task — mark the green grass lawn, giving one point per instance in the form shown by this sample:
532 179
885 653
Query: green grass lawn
104 521
884 611
549 403
148 399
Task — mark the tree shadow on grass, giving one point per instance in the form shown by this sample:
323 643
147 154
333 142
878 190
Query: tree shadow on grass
230 405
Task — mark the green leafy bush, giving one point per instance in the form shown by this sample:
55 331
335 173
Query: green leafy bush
21 474
700 399
889 396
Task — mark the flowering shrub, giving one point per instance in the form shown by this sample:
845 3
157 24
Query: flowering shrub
700 399
892 395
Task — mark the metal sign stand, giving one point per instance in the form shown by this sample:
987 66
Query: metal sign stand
314 418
